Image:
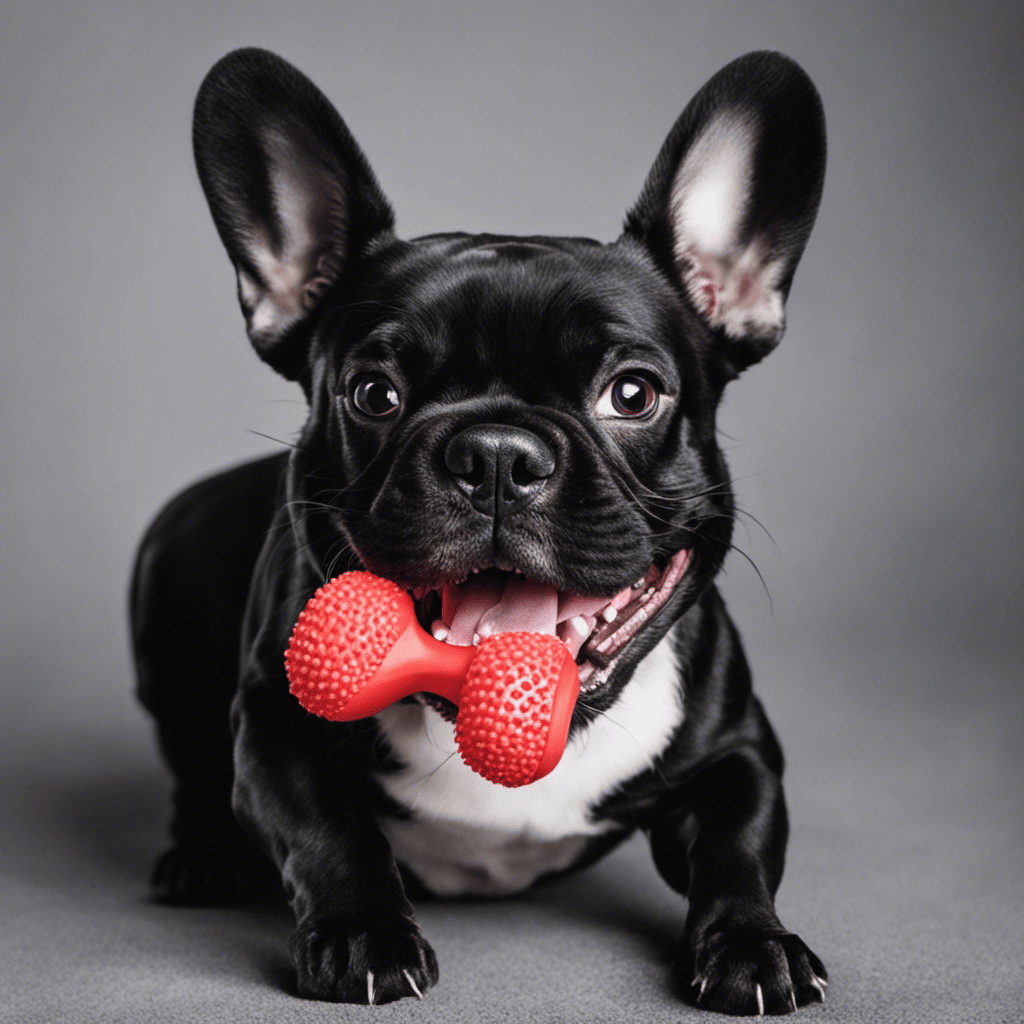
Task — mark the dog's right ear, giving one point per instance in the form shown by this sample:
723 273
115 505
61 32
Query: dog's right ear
293 198
732 197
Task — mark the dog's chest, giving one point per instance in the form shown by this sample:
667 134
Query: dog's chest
470 836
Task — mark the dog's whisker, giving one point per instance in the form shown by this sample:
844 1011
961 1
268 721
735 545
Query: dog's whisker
639 745
427 778
730 546
277 440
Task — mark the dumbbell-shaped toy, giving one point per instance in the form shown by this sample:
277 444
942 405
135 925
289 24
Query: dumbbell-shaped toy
357 648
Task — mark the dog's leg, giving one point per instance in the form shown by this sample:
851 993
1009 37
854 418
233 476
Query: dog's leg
295 790
724 848
187 597
211 861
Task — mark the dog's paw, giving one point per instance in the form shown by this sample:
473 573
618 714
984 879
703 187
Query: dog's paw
749 971
185 876
212 874
378 963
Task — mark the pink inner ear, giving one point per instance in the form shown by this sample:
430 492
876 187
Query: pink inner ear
706 297
738 293
734 284
705 281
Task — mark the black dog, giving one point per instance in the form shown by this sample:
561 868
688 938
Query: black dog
516 430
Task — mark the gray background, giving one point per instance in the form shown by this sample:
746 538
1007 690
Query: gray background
880 445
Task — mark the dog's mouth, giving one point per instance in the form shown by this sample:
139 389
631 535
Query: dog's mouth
596 630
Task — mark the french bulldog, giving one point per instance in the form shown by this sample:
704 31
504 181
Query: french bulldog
521 432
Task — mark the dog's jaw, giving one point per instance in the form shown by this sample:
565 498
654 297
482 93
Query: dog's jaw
596 638
601 651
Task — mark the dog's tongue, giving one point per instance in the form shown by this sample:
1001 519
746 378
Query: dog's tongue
482 608
524 607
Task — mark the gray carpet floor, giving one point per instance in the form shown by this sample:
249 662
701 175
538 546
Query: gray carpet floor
906 874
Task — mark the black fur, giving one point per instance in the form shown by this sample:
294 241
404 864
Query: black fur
526 333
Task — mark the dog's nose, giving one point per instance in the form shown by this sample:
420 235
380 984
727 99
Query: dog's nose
500 468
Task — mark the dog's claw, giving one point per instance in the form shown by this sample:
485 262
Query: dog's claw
758 975
412 984
369 987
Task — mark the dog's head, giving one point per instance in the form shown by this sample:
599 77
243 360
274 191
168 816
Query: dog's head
519 430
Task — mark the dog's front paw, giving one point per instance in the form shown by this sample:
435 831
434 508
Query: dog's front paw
213 875
376 963
185 876
750 971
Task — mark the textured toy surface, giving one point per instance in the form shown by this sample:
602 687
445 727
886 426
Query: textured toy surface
358 648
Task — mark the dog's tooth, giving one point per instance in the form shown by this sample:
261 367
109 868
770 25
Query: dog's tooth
604 645
476 639
610 614
441 633
579 624
639 585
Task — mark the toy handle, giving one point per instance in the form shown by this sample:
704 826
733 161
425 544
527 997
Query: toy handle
416 662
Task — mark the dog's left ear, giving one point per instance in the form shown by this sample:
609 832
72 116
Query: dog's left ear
293 197
732 197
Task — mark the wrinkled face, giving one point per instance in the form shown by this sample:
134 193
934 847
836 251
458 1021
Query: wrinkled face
522 434
520 431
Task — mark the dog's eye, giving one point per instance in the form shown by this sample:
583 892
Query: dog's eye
630 396
375 395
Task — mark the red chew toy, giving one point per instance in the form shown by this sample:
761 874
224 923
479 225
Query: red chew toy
358 648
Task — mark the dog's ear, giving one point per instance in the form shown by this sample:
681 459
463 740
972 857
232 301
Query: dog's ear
293 198
732 197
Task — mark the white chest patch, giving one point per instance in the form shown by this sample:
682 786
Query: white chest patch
470 836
